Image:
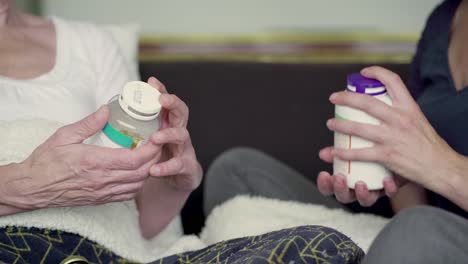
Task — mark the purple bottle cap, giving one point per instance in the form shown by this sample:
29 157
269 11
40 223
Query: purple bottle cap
360 84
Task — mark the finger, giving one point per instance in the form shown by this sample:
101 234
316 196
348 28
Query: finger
395 87
81 130
325 154
370 132
123 197
364 196
119 189
325 183
115 192
360 154
399 181
174 135
129 176
122 159
390 187
170 167
365 103
157 84
341 190
177 109
161 88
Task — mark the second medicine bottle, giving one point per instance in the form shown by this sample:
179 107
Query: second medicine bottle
371 173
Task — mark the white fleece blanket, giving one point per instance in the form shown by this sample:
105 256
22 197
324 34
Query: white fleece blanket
241 216
247 216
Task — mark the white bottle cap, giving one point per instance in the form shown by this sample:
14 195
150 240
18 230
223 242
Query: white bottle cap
140 100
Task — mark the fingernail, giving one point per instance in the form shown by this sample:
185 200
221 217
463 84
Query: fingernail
339 182
154 81
358 186
341 179
365 71
155 170
332 96
361 186
388 180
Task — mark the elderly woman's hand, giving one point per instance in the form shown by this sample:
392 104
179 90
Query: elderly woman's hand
64 172
405 142
179 164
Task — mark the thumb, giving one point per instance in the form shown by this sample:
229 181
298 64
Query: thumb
83 129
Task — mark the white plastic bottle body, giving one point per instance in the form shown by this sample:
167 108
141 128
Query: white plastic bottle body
370 173
133 117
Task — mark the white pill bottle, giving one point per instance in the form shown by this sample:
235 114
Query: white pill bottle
370 173
133 117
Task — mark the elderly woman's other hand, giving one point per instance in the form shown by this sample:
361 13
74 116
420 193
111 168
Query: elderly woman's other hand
179 164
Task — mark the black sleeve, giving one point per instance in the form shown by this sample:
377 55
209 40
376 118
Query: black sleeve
439 21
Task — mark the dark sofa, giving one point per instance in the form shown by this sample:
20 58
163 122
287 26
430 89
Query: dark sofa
278 108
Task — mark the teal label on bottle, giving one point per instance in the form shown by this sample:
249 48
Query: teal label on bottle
117 137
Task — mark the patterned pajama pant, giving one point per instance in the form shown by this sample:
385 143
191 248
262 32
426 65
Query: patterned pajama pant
304 244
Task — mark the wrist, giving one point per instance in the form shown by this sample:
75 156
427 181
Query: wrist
11 198
171 186
158 204
185 183
451 181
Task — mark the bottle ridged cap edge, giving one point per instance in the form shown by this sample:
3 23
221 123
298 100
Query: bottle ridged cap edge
140 100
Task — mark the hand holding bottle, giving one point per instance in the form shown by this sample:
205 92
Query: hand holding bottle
405 142
64 172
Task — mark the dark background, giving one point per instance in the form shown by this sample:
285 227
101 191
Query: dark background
278 108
